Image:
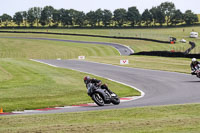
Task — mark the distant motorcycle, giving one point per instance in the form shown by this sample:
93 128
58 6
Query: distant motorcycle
102 96
197 72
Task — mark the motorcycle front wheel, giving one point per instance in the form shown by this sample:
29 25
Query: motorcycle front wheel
115 100
98 99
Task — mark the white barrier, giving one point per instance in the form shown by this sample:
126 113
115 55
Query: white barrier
124 62
81 57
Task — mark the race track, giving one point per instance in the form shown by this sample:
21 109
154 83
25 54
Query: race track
160 87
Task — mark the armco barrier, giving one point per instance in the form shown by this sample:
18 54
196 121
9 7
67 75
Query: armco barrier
115 37
193 45
168 54
172 53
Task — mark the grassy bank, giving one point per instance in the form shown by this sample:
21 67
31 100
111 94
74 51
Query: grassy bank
29 85
153 33
163 119
43 49
136 45
148 62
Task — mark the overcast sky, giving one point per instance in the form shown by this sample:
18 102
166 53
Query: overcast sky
12 6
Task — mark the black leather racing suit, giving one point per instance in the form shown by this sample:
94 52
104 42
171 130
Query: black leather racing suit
194 67
97 83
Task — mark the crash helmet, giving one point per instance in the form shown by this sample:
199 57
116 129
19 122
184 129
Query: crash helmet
194 59
86 79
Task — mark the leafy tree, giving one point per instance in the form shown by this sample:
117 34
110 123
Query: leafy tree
133 16
46 15
99 16
190 17
176 18
168 8
18 18
107 17
153 12
72 14
24 15
66 19
6 19
43 18
34 15
0 20
120 15
31 18
91 18
37 14
56 17
160 16
147 17
79 18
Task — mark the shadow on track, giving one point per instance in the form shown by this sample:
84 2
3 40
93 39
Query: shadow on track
168 54
193 81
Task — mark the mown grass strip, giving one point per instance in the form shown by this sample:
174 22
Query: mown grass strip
148 62
43 49
153 33
165 119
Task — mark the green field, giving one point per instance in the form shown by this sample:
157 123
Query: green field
163 119
42 49
152 33
138 46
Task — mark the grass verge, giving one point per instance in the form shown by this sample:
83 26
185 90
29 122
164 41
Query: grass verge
163 119
148 62
43 49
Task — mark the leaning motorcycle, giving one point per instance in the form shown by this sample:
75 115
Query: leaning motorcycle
102 96
197 72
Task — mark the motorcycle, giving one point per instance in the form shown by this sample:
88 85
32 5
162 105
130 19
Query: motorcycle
197 72
102 96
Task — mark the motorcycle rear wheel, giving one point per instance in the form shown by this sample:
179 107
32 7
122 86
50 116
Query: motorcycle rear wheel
98 99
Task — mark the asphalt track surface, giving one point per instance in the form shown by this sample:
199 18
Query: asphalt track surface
123 50
160 87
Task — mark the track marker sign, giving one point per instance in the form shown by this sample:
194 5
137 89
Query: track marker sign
124 62
81 57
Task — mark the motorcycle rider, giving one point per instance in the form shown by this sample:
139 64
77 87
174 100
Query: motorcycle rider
96 82
194 66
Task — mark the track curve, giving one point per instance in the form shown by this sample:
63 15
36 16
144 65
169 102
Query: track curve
123 50
160 87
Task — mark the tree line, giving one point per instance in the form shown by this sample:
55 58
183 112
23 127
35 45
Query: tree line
165 13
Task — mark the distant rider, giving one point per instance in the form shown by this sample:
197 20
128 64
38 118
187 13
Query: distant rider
96 82
194 66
